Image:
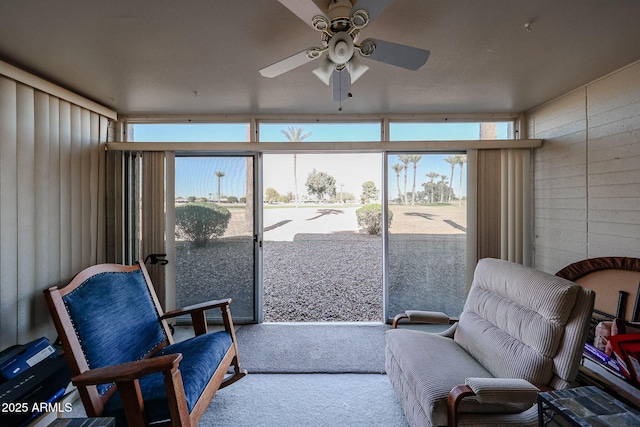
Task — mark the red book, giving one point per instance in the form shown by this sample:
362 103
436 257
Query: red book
626 348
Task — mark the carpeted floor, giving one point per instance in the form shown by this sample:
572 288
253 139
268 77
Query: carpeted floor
306 374
312 347
310 400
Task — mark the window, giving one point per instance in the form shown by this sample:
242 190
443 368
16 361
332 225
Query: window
189 132
322 132
427 238
449 131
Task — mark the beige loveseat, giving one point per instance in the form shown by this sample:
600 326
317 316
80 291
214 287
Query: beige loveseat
520 330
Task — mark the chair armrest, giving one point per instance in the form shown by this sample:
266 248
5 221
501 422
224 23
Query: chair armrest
203 306
490 390
420 316
198 315
499 390
127 371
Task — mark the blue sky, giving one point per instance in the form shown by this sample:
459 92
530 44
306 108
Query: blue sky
196 176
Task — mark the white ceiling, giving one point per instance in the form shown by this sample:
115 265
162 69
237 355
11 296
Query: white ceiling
203 56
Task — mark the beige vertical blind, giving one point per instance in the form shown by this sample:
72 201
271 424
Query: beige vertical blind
51 222
503 204
515 205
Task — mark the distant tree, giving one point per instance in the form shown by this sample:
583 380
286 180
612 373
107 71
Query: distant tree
432 176
232 199
320 183
405 159
271 195
453 161
414 158
348 197
219 174
369 192
398 168
191 199
462 159
295 134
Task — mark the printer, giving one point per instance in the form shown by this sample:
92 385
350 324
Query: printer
30 374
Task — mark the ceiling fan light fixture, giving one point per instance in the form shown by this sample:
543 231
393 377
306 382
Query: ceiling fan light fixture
356 69
341 48
324 71
367 47
359 19
320 23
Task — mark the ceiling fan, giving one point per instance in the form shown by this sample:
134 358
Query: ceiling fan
340 28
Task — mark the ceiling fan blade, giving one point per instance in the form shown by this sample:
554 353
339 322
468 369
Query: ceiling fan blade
303 9
341 85
373 7
286 64
400 55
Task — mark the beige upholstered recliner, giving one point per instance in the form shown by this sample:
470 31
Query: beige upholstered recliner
521 330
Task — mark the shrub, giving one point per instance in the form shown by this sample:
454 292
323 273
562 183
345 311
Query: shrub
200 222
370 218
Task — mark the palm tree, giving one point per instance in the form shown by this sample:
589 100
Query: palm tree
432 176
415 158
405 159
398 168
219 174
442 185
461 161
294 134
453 162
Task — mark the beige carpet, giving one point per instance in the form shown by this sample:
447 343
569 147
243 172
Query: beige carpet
312 347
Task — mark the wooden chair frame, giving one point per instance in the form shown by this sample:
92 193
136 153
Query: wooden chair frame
126 376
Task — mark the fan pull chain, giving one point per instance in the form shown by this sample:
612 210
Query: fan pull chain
340 109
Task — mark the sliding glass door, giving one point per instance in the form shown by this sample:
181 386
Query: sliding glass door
215 244
426 240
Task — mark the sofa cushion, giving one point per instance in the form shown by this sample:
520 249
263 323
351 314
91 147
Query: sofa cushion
201 357
429 366
514 319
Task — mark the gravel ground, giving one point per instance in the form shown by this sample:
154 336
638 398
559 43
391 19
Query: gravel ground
331 275
326 277
323 277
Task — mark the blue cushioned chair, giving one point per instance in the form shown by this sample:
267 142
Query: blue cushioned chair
122 355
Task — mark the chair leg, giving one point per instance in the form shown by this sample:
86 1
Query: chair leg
239 373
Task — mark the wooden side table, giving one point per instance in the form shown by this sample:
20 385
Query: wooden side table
584 406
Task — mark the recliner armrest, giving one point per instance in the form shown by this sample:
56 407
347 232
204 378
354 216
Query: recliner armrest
499 390
127 371
421 316
490 390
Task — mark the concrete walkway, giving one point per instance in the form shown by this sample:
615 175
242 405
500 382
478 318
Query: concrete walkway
283 224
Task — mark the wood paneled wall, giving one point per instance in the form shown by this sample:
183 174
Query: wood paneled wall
51 202
587 174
